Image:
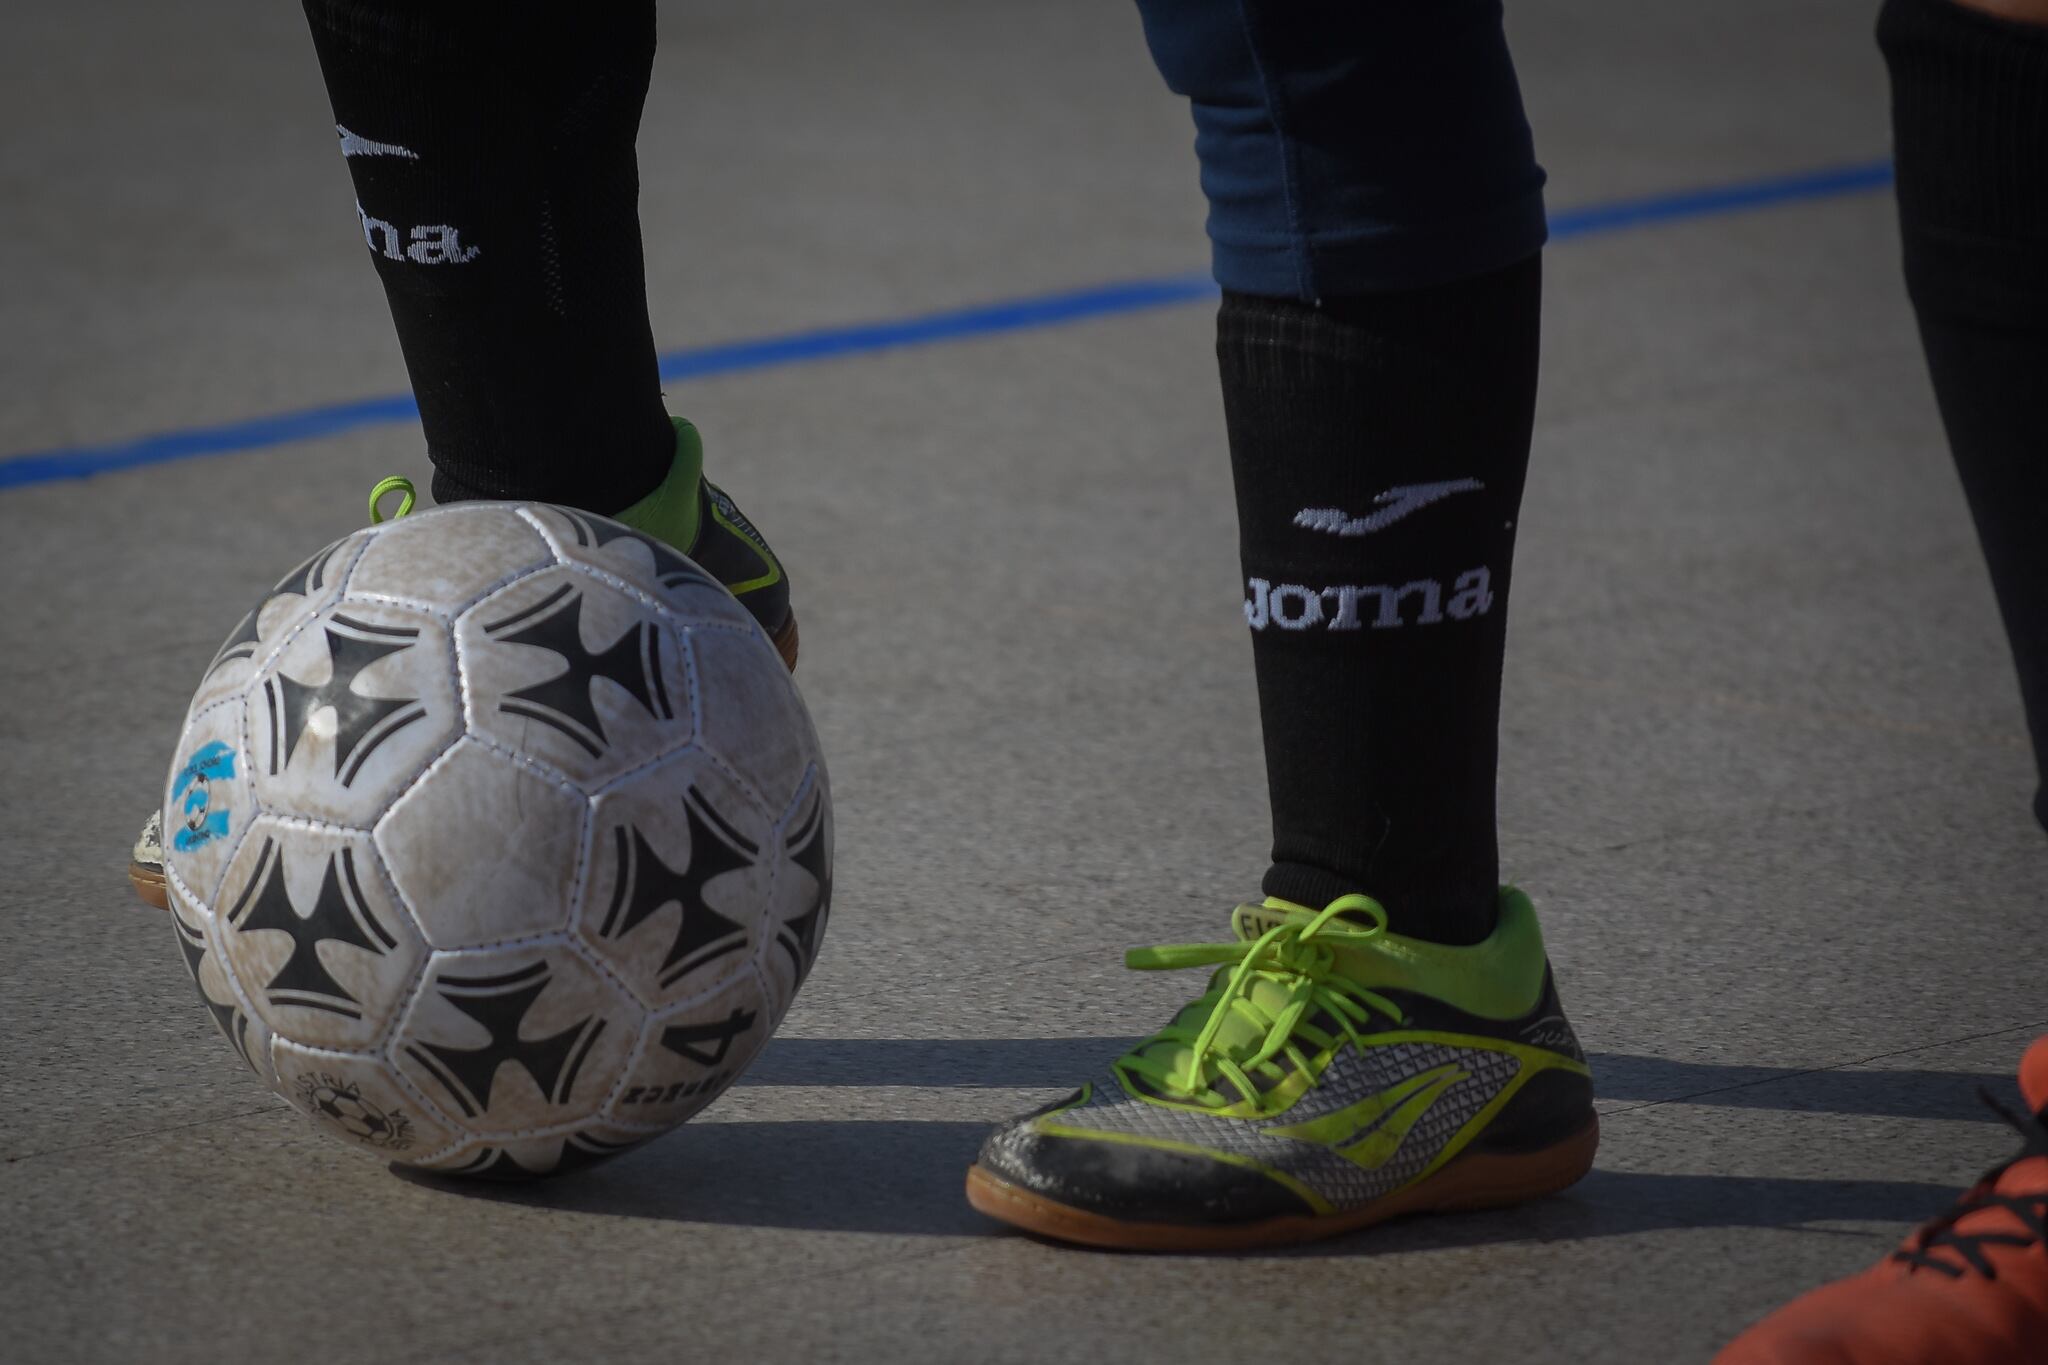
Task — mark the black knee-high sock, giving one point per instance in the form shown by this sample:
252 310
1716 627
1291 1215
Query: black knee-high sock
1379 444
1970 135
491 145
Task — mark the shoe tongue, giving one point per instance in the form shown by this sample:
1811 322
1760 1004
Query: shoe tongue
1250 921
2034 1075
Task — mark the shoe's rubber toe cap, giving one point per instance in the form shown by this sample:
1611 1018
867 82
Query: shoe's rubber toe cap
1131 1181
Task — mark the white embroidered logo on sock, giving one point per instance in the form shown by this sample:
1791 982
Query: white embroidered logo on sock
427 244
1393 505
354 145
1295 606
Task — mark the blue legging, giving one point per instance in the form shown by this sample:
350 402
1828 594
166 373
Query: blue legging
1353 146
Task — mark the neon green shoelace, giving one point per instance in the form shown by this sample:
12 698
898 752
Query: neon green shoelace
1281 987
398 484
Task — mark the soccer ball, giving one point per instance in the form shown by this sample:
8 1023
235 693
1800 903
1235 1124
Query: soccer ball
499 839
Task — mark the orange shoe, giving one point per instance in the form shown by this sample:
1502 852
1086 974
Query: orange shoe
1969 1288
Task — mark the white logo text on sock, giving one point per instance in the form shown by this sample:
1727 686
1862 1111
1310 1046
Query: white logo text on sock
1423 602
427 244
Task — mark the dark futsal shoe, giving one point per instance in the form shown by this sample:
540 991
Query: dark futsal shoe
146 863
1333 1076
693 514
1967 1288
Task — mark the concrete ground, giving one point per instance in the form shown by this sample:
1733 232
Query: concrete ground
1763 756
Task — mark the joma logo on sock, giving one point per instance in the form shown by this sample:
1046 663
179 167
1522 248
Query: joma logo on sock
1292 606
428 244
1394 504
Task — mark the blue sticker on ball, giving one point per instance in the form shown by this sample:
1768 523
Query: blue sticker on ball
192 791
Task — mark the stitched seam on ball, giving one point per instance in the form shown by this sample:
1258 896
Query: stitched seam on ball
614 580
363 539
357 1053
405 789
684 1004
433 760
247 998
525 512
603 969
813 778
424 949
586 839
680 619
426 1161
477 599
693 677
537 939
313 824
386 1055
308 612
319 613
762 805
499 1136
809 782
392 599
451 613
242 999
777 1006
764 996
403 1016
490 1136
552 776
641 1043
611 784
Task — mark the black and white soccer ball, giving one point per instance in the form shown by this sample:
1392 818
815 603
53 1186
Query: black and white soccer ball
501 839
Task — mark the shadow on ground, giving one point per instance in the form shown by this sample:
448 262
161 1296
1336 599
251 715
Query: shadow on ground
1018 1063
903 1177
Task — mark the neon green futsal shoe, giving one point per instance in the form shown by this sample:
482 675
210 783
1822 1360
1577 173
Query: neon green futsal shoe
693 514
1333 1076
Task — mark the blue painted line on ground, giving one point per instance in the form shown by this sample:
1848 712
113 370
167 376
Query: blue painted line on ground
958 324
1717 199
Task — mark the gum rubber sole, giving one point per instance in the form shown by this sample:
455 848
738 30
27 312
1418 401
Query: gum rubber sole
149 881
149 884
785 642
1481 1180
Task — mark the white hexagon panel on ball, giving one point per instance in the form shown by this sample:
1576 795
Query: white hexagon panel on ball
485 848
447 558
752 716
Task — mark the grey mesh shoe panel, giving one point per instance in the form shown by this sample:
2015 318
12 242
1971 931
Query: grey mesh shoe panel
1351 1077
